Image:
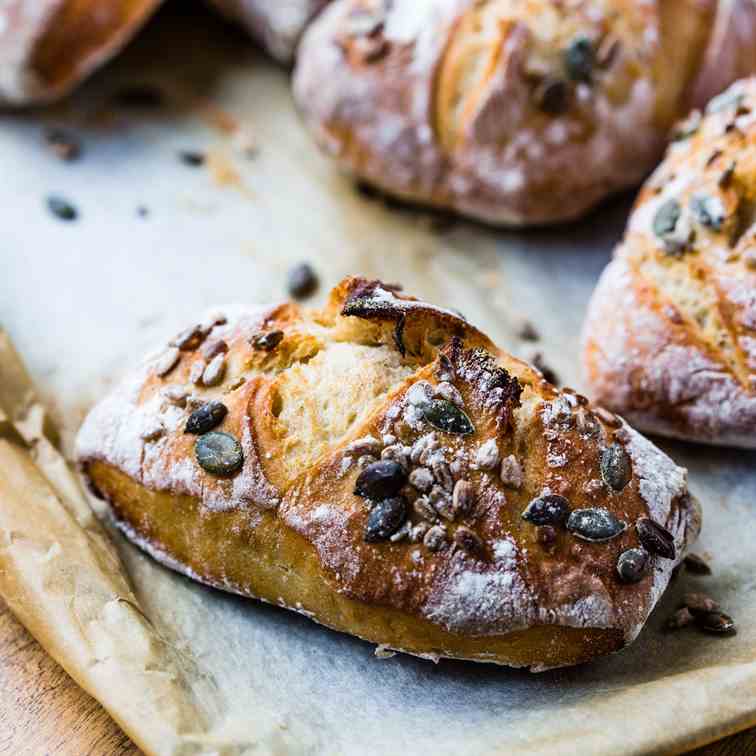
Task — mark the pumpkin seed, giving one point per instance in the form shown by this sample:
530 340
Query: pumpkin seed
716 622
631 565
206 418
616 468
447 417
219 453
385 518
666 217
62 208
380 480
594 525
550 509
579 59
708 211
655 539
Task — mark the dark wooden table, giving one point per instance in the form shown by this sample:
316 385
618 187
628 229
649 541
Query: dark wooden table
43 711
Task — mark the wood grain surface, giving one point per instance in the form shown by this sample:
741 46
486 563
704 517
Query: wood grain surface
44 712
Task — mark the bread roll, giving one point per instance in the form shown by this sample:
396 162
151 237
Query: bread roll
380 466
670 336
516 112
49 46
276 24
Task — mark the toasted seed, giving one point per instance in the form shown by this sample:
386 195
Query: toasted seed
366 460
595 525
402 533
426 443
447 417
442 502
463 497
579 59
399 453
62 208
177 395
424 509
616 468
546 535
417 532
267 342
681 618
435 537
215 371
206 418
364 445
196 371
167 361
419 394
700 603
607 418
302 281
380 480
190 338
385 518
552 96
445 371
487 457
468 539
716 622
152 432
422 479
213 347
219 453
655 539
708 211
442 474
550 509
666 217
697 565
511 472
587 425
450 392
631 565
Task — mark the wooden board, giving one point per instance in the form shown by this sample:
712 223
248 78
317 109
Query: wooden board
43 711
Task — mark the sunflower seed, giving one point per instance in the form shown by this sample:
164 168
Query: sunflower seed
550 509
166 362
487 457
399 453
424 509
206 418
381 480
594 525
655 539
215 371
176 395
468 539
463 497
616 468
267 342
631 565
435 537
196 371
442 503
511 472
426 443
447 391
587 425
607 418
385 518
447 417
364 445
417 532
213 347
422 479
716 622
442 474
190 338
152 432
219 453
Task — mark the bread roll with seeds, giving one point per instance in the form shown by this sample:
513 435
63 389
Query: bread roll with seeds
670 336
380 466
276 24
516 112
49 46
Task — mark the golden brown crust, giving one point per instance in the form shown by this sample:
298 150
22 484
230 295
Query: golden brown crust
670 338
357 379
511 111
49 46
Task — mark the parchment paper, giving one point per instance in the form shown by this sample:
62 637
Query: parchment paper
185 669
